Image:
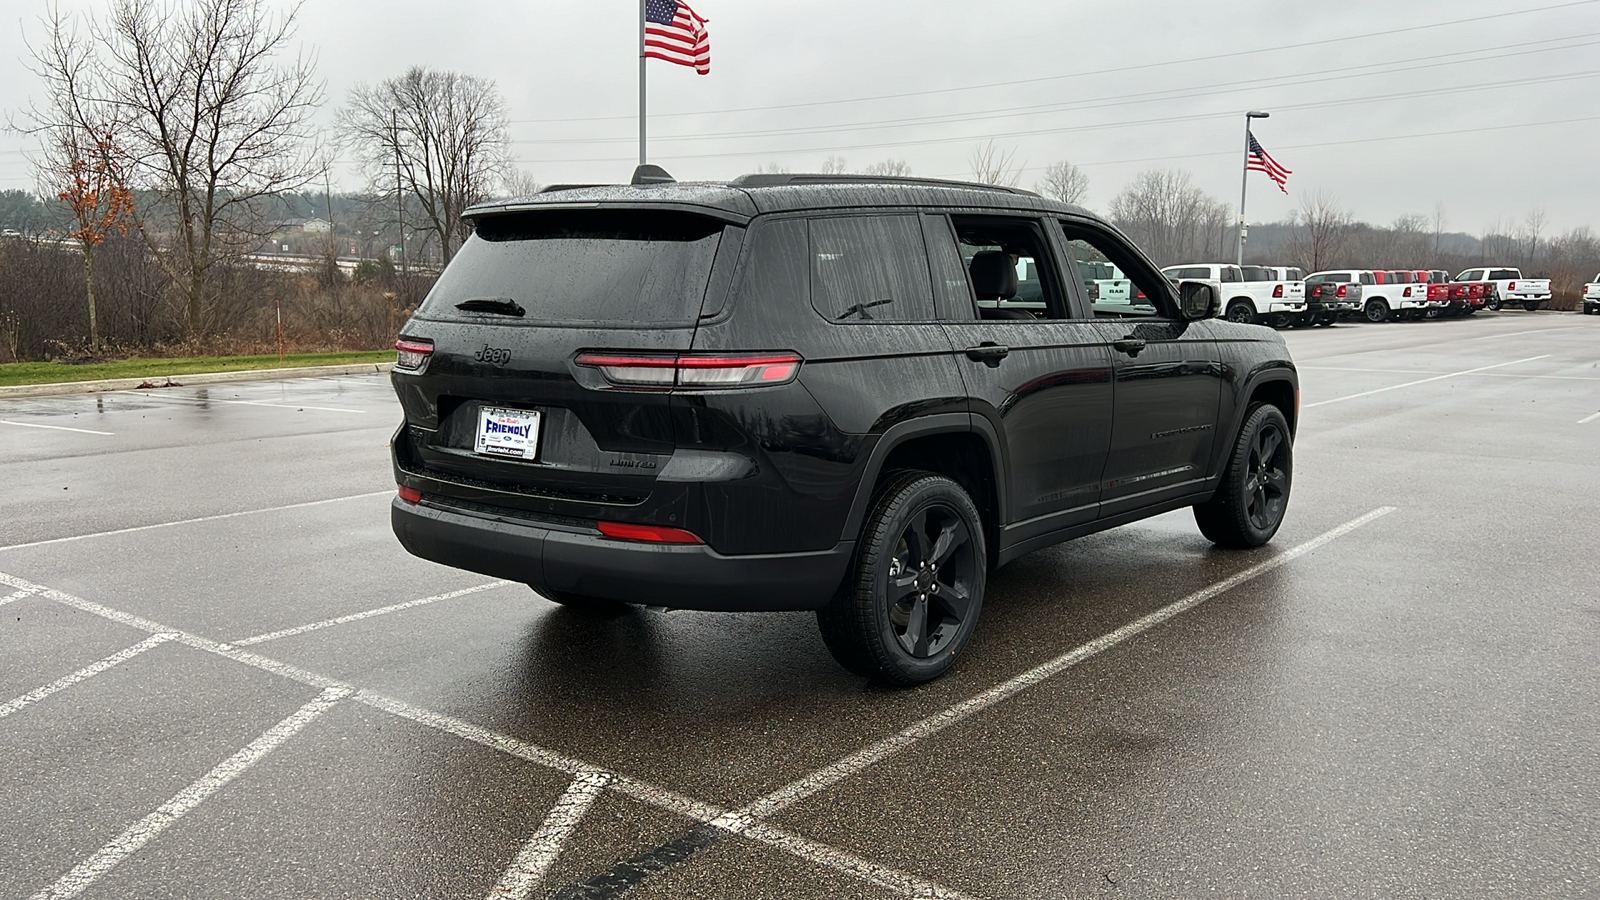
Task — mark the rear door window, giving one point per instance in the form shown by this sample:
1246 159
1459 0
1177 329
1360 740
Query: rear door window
607 267
870 269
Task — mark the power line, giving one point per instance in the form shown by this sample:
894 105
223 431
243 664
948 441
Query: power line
1167 95
1088 73
1163 121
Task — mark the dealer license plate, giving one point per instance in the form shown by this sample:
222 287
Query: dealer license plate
507 432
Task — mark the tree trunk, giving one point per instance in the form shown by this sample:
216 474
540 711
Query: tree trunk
88 290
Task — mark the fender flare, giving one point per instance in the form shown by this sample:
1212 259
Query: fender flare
900 433
1275 371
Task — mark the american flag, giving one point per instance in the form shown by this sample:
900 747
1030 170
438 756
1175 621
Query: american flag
1260 161
677 34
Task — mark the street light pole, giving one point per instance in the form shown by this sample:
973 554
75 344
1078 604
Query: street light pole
1244 182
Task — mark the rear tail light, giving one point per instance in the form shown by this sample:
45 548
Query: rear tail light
410 495
1511 285
412 353
652 534
688 371
1139 295
1277 292
1342 290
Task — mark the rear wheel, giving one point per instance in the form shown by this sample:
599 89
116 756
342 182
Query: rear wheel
911 601
1242 311
1377 310
1434 312
1250 503
1494 301
1531 305
593 607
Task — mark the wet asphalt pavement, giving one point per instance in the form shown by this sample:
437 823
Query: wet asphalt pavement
206 690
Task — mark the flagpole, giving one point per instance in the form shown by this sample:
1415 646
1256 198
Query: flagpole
1244 182
641 83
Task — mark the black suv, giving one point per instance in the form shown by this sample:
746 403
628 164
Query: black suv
849 395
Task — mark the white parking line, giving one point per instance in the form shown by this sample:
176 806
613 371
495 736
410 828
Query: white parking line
12 598
1396 387
1489 337
236 402
688 807
142 832
1416 372
85 673
56 428
748 821
216 518
1589 419
541 851
896 743
356 617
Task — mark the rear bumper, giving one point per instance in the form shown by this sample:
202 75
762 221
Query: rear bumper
1279 307
581 561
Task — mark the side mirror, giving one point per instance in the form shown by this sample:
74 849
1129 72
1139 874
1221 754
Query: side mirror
1198 300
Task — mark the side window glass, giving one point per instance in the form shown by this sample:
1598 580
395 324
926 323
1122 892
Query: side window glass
1366 278
1117 284
870 269
1008 266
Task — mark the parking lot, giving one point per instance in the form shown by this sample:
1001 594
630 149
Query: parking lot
223 677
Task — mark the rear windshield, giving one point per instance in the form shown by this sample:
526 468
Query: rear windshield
637 268
1502 275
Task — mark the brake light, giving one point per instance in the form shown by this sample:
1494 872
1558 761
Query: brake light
1511 285
412 353
653 534
1340 292
1277 291
688 371
410 495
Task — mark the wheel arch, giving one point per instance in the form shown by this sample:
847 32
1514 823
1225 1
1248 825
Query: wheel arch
962 447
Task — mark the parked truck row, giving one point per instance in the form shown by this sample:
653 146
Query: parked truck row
1282 296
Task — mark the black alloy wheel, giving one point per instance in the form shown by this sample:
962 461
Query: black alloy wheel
912 600
1241 312
1250 503
1377 311
1531 305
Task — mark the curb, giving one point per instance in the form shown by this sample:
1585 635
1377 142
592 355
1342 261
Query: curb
124 384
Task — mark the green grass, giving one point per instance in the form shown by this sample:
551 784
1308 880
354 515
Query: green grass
53 372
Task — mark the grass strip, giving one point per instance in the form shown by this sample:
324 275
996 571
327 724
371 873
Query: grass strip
56 373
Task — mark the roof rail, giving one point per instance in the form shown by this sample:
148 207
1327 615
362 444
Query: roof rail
764 179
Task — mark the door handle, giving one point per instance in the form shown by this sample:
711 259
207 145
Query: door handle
1130 346
989 353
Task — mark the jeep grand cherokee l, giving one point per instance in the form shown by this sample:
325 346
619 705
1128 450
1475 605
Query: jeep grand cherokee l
854 396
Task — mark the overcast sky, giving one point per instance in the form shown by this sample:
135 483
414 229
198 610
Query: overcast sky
1394 108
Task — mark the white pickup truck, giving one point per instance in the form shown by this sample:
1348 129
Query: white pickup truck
1382 299
1591 297
1275 303
1510 287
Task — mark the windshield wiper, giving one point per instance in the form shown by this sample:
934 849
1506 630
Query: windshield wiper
861 309
504 306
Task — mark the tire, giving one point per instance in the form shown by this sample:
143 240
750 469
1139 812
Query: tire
921 554
1434 312
1531 305
1377 310
1494 301
1241 311
1250 503
591 607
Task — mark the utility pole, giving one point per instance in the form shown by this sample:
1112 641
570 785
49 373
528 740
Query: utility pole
1244 187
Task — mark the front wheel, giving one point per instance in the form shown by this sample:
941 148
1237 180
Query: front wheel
911 601
1377 310
1250 503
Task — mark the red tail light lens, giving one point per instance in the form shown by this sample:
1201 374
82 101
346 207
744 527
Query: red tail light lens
688 371
410 495
412 353
653 534
1343 289
1277 291
1511 285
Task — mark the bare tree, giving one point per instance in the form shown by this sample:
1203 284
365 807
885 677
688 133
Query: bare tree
437 137
991 165
1063 181
208 124
897 168
1530 232
519 182
1322 232
1439 223
834 165
1408 242
1170 217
